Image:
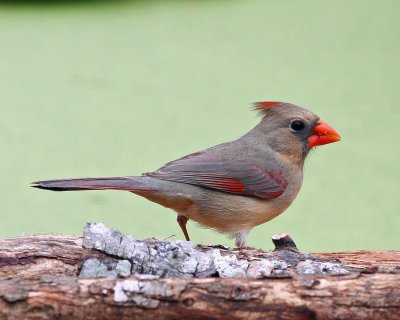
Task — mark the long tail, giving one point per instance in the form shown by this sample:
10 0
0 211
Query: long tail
115 183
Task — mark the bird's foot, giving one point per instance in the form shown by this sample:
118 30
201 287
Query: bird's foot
240 239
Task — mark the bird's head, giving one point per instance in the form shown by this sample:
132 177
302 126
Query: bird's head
292 130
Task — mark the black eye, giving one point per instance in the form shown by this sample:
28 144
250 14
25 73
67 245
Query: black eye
297 125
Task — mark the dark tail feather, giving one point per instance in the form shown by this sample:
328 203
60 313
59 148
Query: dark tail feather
115 183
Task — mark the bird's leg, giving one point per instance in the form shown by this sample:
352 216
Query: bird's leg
182 220
240 239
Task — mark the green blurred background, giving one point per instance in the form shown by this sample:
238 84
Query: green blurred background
108 88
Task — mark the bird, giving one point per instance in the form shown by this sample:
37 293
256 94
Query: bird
234 186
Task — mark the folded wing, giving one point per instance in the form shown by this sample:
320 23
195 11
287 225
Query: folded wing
231 176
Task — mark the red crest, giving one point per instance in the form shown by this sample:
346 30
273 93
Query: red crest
266 104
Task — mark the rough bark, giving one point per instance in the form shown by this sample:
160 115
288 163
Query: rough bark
107 275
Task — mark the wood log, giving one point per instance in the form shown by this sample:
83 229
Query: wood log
107 275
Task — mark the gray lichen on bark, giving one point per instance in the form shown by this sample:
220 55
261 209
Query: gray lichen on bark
145 293
107 267
182 259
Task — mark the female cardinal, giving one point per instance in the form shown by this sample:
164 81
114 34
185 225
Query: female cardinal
234 186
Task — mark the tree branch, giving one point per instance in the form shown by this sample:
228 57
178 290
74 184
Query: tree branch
114 276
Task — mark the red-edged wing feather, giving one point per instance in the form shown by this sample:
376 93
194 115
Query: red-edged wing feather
233 176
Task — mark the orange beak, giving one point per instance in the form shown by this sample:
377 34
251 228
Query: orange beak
323 133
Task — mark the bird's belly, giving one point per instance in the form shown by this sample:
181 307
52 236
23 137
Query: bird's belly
232 213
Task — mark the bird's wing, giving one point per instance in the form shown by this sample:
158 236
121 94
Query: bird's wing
233 176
